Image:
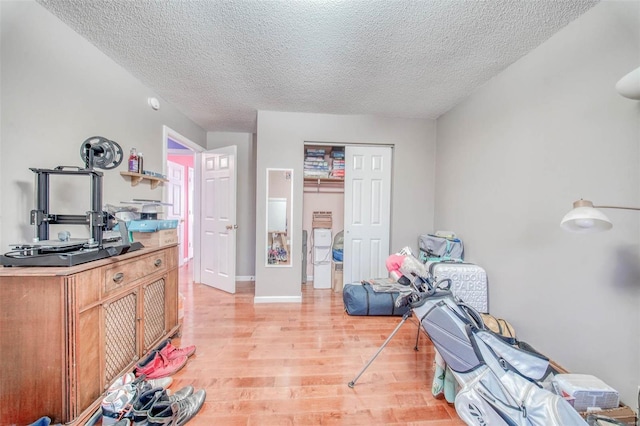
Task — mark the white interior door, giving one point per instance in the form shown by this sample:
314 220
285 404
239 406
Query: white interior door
175 197
367 212
218 218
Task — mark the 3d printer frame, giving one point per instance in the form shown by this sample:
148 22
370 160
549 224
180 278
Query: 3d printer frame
43 251
41 218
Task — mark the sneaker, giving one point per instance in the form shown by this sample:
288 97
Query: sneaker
162 382
189 407
171 352
117 405
148 399
42 421
156 365
126 379
176 413
130 378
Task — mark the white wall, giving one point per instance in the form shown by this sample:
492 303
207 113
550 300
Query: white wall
510 161
57 91
246 196
280 140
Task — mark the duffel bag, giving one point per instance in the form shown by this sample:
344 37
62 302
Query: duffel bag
360 299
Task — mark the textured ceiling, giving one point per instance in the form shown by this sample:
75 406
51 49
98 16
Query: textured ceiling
221 61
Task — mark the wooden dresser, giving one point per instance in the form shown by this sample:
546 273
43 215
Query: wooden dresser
67 333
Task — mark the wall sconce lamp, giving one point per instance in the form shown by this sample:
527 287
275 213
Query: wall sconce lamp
629 85
585 218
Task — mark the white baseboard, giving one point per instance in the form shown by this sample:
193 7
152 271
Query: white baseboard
245 278
277 299
309 278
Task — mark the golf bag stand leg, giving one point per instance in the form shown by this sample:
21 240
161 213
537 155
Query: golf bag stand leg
405 317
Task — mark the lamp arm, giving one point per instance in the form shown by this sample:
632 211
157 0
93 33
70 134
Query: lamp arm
616 207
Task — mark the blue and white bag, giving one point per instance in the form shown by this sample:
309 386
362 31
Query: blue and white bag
499 382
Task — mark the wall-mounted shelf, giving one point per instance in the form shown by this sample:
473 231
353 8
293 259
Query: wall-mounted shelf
136 178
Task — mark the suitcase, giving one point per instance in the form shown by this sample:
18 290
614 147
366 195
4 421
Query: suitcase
468 282
360 299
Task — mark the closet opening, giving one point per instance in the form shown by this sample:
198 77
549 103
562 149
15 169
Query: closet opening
323 215
346 217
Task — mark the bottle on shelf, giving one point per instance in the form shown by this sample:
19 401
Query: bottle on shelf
133 161
140 163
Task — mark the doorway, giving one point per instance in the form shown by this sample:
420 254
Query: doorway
179 191
347 193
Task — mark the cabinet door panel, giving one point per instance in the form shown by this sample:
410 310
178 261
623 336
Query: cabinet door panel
171 301
90 382
154 315
120 322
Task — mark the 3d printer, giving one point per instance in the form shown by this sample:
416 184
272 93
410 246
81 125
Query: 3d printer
96 152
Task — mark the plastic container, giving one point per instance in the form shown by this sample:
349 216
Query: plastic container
133 161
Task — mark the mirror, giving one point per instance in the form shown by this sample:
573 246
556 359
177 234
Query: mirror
279 213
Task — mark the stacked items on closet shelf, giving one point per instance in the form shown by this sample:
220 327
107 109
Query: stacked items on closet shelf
315 165
337 164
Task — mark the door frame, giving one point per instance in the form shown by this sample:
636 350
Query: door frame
181 218
167 133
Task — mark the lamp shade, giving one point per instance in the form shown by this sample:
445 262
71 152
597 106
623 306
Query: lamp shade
629 85
584 218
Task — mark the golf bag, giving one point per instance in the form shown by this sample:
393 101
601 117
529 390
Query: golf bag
499 382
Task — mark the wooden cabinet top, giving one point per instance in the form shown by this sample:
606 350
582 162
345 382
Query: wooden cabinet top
51 271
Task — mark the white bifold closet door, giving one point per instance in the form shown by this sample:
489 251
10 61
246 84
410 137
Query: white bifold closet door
367 212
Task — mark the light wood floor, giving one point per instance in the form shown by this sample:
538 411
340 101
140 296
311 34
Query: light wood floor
289 364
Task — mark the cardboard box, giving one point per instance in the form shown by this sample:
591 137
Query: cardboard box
161 238
322 220
622 414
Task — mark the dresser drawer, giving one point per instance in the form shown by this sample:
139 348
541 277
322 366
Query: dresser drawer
124 273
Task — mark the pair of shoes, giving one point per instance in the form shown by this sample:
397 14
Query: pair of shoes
176 413
122 394
156 365
171 352
148 399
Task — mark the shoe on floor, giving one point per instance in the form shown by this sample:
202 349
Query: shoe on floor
117 404
42 421
176 413
121 381
171 352
145 401
155 365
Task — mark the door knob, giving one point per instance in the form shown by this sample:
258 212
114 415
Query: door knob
230 227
